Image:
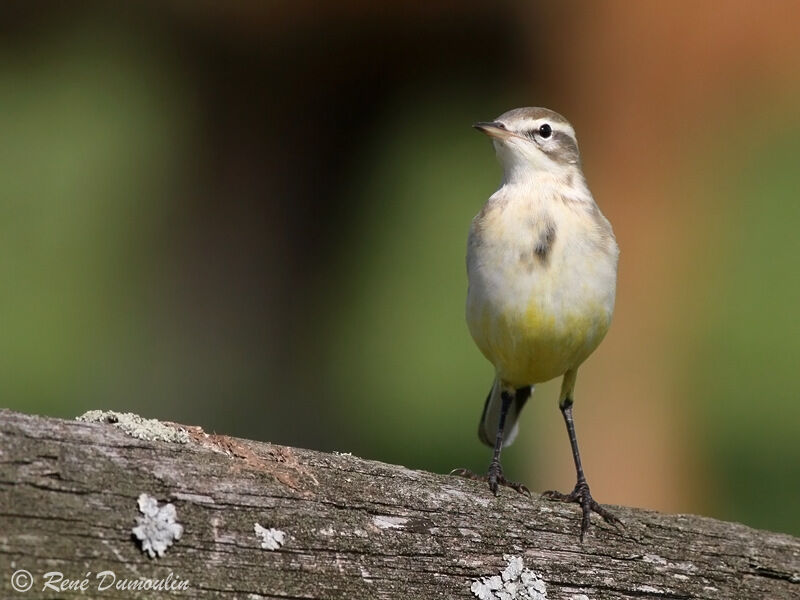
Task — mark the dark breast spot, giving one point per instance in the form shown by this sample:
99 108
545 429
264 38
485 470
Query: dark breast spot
539 253
545 243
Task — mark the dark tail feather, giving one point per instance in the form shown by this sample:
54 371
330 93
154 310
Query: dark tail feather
487 430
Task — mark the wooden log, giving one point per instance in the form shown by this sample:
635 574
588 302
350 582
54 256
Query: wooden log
71 492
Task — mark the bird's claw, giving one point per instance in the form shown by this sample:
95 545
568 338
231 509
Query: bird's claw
581 495
494 478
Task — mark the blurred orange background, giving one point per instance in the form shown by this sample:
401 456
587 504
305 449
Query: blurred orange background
253 217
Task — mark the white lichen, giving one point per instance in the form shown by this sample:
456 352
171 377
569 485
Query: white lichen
151 430
271 539
515 582
157 528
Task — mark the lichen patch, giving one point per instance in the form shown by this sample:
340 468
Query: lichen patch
270 539
515 582
158 527
151 430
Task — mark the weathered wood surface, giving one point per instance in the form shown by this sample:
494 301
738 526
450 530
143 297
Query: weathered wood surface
354 528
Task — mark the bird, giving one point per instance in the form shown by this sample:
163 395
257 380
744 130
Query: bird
542 273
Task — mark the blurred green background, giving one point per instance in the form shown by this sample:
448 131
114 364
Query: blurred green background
252 217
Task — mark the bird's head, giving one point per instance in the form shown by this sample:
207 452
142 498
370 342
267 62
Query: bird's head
531 141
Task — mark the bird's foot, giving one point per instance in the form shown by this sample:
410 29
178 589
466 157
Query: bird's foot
494 477
581 495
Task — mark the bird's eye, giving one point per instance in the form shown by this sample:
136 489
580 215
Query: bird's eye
545 131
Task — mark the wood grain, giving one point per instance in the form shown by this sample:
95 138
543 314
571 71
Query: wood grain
354 528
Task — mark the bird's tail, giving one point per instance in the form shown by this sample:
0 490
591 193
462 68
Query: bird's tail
487 430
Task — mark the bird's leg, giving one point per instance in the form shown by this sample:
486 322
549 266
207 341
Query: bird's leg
495 475
581 494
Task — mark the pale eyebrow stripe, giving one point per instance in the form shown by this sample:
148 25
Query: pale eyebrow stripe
529 124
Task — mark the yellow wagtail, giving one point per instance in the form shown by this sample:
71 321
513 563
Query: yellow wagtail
542 268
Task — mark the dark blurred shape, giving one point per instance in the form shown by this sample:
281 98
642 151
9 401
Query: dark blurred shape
266 108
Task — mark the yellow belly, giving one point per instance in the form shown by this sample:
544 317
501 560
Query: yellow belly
537 345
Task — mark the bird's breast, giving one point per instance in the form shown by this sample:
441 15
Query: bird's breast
542 283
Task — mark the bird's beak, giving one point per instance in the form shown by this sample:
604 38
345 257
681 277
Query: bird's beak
493 129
